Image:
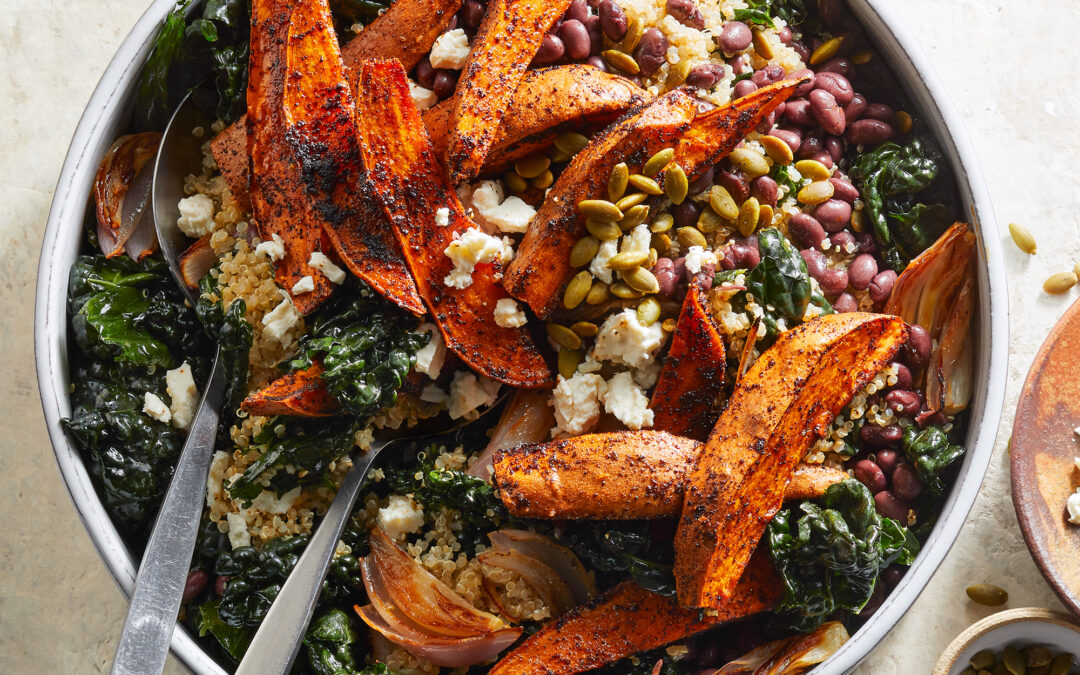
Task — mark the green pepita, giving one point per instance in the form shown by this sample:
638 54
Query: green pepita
628 260
598 293
751 163
569 360
563 336
679 73
634 31
557 156
766 217
658 161
749 213
599 209
532 166
675 184
514 183
669 325
617 181
1014 661
762 45
812 169
631 200
983 660
1060 282
583 251
708 221
903 121
1022 238
826 50
577 289
722 202
1061 664
571 142
661 242
620 290
642 280
818 192
543 181
648 311
1036 656
653 257
585 329
663 223
645 184
603 230
779 151
690 236
988 594
621 61
635 216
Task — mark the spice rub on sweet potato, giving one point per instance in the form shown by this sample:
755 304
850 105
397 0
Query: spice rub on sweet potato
618 475
629 619
505 45
409 181
785 401
301 393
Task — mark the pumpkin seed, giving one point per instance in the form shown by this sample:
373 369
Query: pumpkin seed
569 360
599 209
616 184
563 336
631 200
983 660
1022 238
675 184
641 279
779 151
762 45
577 289
812 169
661 243
628 260
1059 283
1076 269
749 213
658 162
863 57
645 184
988 594
598 293
708 221
690 236
999 669
750 162
571 142
583 251
558 156
722 202
621 61
585 329
514 182
663 223
648 311
543 181
903 121
1036 656
858 220
679 73
634 31
826 50
969 671
1061 664
532 166
669 325
766 217
621 290
818 192
653 257
603 229
1014 661
635 216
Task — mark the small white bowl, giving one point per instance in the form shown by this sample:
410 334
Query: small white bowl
1012 628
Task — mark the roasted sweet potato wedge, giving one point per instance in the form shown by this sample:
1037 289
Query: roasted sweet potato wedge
619 475
787 398
685 400
627 620
301 393
405 31
505 44
548 102
408 180
542 266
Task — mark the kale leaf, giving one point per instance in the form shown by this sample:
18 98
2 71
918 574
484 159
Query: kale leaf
625 548
365 347
830 551
233 335
233 639
781 284
761 12
932 454
891 172
328 645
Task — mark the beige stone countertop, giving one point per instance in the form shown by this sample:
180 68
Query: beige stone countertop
1010 67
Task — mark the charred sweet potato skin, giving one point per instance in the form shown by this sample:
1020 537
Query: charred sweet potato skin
405 31
505 44
278 200
408 180
542 268
787 398
301 393
627 620
687 394
619 475
548 102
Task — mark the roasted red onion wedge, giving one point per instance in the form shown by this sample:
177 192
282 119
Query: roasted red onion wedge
196 261
526 419
452 652
790 656
547 584
559 559
122 194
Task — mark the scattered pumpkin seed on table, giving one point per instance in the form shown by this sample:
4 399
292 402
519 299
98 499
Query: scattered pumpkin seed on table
988 594
1022 238
1059 283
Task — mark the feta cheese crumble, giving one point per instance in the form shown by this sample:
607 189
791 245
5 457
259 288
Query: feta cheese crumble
623 399
196 216
304 285
422 97
467 393
577 403
599 265
183 396
154 407
320 262
450 50
472 248
277 322
442 216
623 340
697 258
238 530
429 360
508 314
509 214
401 516
273 249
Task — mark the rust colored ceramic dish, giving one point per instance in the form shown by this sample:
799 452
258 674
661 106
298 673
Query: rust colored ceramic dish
1044 444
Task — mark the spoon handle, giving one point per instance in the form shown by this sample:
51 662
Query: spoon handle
159 587
278 639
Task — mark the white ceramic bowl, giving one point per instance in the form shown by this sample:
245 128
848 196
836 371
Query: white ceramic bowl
109 109
1017 628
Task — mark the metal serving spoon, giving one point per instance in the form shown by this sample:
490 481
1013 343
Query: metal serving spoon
159 586
276 643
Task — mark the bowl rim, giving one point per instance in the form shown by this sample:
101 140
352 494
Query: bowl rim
99 124
998 620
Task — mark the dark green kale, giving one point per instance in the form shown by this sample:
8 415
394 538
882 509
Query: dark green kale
761 12
781 284
233 335
208 46
932 454
781 173
366 349
887 177
623 549
233 639
328 646
830 551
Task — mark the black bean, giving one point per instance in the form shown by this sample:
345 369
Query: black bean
827 111
866 243
918 347
835 147
744 88
844 303
575 39
879 111
551 50
870 474
705 75
802 50
425 74
445 82
790 136
862 271
815 262
613 19
892 576
905 482
786 35
887 460
765 189
686 214
219 584
735 182
833 281
833 214
823 158
597 62
881 285
702 182
806 230
835 84
735 36
904 378
837 64
651 51
880 436
195 584
869 131
855 109
664 271
578 10
686 13
471 13
904 402
843 189
890 506
841 239
812 144
768 75
596 34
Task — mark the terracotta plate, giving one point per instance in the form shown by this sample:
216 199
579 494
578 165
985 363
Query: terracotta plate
1044 444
